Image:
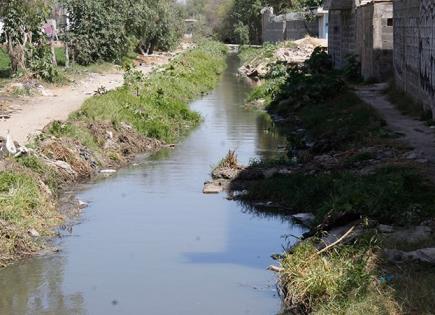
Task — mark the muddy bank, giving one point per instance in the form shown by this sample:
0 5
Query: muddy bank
105 134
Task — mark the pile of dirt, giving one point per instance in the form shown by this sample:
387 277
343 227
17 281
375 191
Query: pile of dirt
72 160
301 51
120 144
116 146
288 52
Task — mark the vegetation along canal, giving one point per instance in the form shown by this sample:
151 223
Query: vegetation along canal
152 243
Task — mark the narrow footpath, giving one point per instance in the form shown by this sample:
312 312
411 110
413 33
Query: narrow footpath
413 132
31 114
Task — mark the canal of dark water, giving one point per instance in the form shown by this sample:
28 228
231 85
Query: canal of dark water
151 243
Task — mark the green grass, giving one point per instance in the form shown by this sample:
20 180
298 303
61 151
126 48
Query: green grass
347 279
21 200
391 195
160 111
340 281
24 205
46 173
267 51
65 75
60 56
414 288
82 134
5 65
344 120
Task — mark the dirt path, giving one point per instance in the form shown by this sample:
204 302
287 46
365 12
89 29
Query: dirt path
31 114
414 132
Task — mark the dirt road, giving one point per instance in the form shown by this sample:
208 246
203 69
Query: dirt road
31 114
414 132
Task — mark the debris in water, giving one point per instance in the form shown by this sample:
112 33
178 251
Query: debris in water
304 218
83 205
212 188
108 171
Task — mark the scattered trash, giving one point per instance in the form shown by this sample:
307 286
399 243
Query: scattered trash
101 91
108 171
83 205
386 279
33 233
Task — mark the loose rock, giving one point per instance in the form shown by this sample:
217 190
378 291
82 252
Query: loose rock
212 188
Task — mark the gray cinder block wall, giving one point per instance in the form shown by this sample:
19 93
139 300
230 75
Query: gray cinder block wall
291 26
414 49
342 39
375 39
364 29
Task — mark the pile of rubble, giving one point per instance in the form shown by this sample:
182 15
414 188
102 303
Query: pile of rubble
8 147
288 52
27 87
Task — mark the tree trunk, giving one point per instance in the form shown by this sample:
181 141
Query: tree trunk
53 53
141 50
152 47
66 55
17 55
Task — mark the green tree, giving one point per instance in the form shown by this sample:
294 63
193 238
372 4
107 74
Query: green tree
155 24
22 29
97 30
106 29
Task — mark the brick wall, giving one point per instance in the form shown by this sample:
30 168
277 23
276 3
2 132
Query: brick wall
290 26
414 49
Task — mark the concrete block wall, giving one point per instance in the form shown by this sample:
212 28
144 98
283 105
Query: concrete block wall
292 26
374 38
365 31
342 36
414 49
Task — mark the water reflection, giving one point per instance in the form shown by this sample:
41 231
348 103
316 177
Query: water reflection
35 288
152 243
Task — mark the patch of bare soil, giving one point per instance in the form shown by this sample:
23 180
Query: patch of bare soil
32 113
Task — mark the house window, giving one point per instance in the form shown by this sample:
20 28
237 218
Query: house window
390 22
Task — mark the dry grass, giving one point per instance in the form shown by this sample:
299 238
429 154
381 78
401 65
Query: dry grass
61 151
230 160
343 280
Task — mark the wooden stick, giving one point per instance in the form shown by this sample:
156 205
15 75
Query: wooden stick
337 241
275 268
